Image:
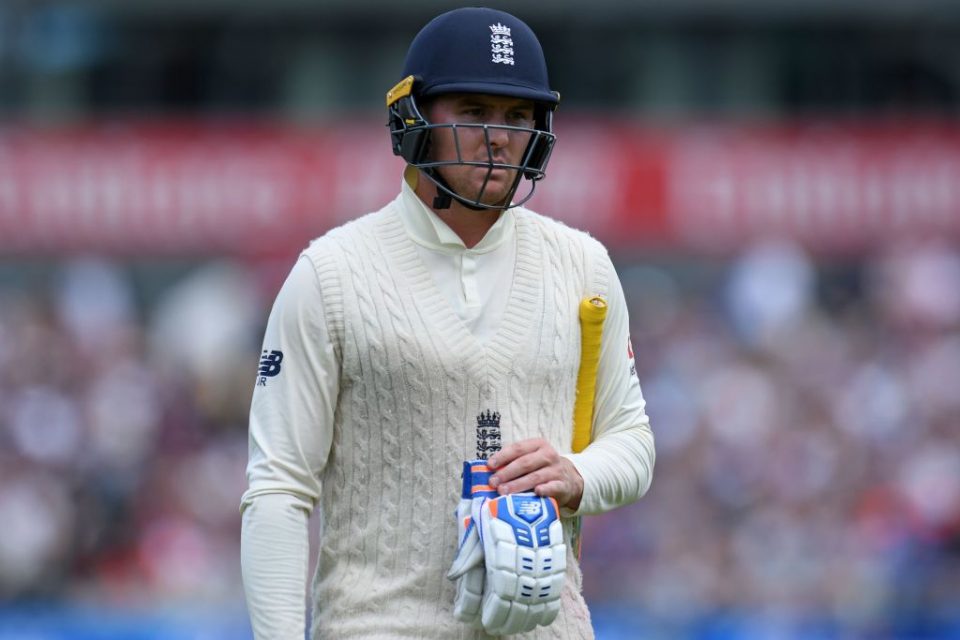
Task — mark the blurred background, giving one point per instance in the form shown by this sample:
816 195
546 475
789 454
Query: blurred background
778 183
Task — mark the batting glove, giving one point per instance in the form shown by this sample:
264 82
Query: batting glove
468 567
526 562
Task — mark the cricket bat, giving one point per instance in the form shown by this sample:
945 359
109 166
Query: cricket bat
593 311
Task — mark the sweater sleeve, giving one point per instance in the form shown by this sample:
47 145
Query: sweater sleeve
291 431
617 466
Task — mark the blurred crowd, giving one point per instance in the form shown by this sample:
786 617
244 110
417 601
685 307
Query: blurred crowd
806 414
123 433
808 471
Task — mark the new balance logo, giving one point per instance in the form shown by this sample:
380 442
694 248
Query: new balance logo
269 366
527 509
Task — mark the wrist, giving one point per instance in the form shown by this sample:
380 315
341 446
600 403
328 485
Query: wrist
576 480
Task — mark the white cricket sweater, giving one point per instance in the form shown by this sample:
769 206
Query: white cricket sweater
375 405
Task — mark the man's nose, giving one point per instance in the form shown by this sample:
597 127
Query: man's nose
497 135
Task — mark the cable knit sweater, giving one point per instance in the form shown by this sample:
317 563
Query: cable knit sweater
411 385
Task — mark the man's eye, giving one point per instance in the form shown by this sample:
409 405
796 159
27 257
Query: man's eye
473 112
521 116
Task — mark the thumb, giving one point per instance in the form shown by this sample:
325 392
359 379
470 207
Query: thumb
470 552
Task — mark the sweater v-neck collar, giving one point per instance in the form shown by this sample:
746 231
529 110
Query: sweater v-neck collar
524 299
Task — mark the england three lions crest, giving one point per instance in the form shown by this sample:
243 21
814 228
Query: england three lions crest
488 434
501 44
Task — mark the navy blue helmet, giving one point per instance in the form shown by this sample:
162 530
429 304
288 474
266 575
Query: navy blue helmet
473 50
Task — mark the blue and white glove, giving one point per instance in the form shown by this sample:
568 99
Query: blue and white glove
468 568
526 561
522 555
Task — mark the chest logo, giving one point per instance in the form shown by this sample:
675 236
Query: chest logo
488 434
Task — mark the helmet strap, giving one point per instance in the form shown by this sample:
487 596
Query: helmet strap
446 194
442 200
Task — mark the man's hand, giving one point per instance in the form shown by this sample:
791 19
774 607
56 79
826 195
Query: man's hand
534 465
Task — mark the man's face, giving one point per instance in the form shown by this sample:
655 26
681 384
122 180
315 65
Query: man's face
506 146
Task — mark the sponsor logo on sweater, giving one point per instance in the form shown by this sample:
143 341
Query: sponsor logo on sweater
269 366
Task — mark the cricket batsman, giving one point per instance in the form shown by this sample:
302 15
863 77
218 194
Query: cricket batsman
420 372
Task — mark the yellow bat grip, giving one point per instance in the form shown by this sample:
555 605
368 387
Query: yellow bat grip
593 311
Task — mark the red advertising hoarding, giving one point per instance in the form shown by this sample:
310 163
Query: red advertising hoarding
190 188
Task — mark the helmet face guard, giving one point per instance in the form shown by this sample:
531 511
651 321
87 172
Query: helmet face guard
473 50
411 135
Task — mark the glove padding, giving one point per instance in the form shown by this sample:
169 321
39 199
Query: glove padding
526 562
468 568
511 561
